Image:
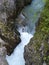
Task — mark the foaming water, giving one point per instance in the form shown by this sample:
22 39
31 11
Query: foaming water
16 57
32 13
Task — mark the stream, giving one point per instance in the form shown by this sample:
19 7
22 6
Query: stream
32 14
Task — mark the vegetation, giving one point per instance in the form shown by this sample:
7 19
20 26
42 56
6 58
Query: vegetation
40 42
42 33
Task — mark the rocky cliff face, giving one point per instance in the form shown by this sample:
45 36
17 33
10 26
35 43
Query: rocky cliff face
9 36
37 51
9 9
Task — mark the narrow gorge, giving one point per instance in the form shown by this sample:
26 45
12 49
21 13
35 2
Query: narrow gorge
24 32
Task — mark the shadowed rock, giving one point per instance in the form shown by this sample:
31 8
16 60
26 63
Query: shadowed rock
3 56
11 38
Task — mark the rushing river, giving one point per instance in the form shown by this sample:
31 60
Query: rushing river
32 13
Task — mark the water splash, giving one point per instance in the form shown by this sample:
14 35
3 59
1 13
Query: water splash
17 56
32 13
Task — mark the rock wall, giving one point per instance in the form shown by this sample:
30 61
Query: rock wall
9 35
37 51
9 9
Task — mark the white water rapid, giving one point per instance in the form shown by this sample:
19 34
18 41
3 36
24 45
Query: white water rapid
17 56
32 13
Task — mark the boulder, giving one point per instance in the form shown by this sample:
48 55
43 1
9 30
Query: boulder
9 10
37 51
11 38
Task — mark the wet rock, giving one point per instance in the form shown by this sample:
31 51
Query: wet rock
32 57
2 51
3 56
26 2
11 38
3 61
37 51
9 9
21 20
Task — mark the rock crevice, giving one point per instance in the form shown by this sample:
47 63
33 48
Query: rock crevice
9 35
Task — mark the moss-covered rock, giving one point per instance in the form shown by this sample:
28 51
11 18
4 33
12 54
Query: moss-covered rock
10 37
37 51
9 10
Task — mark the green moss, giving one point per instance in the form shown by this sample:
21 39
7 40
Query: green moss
39 44
7 32
44 58
41 35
